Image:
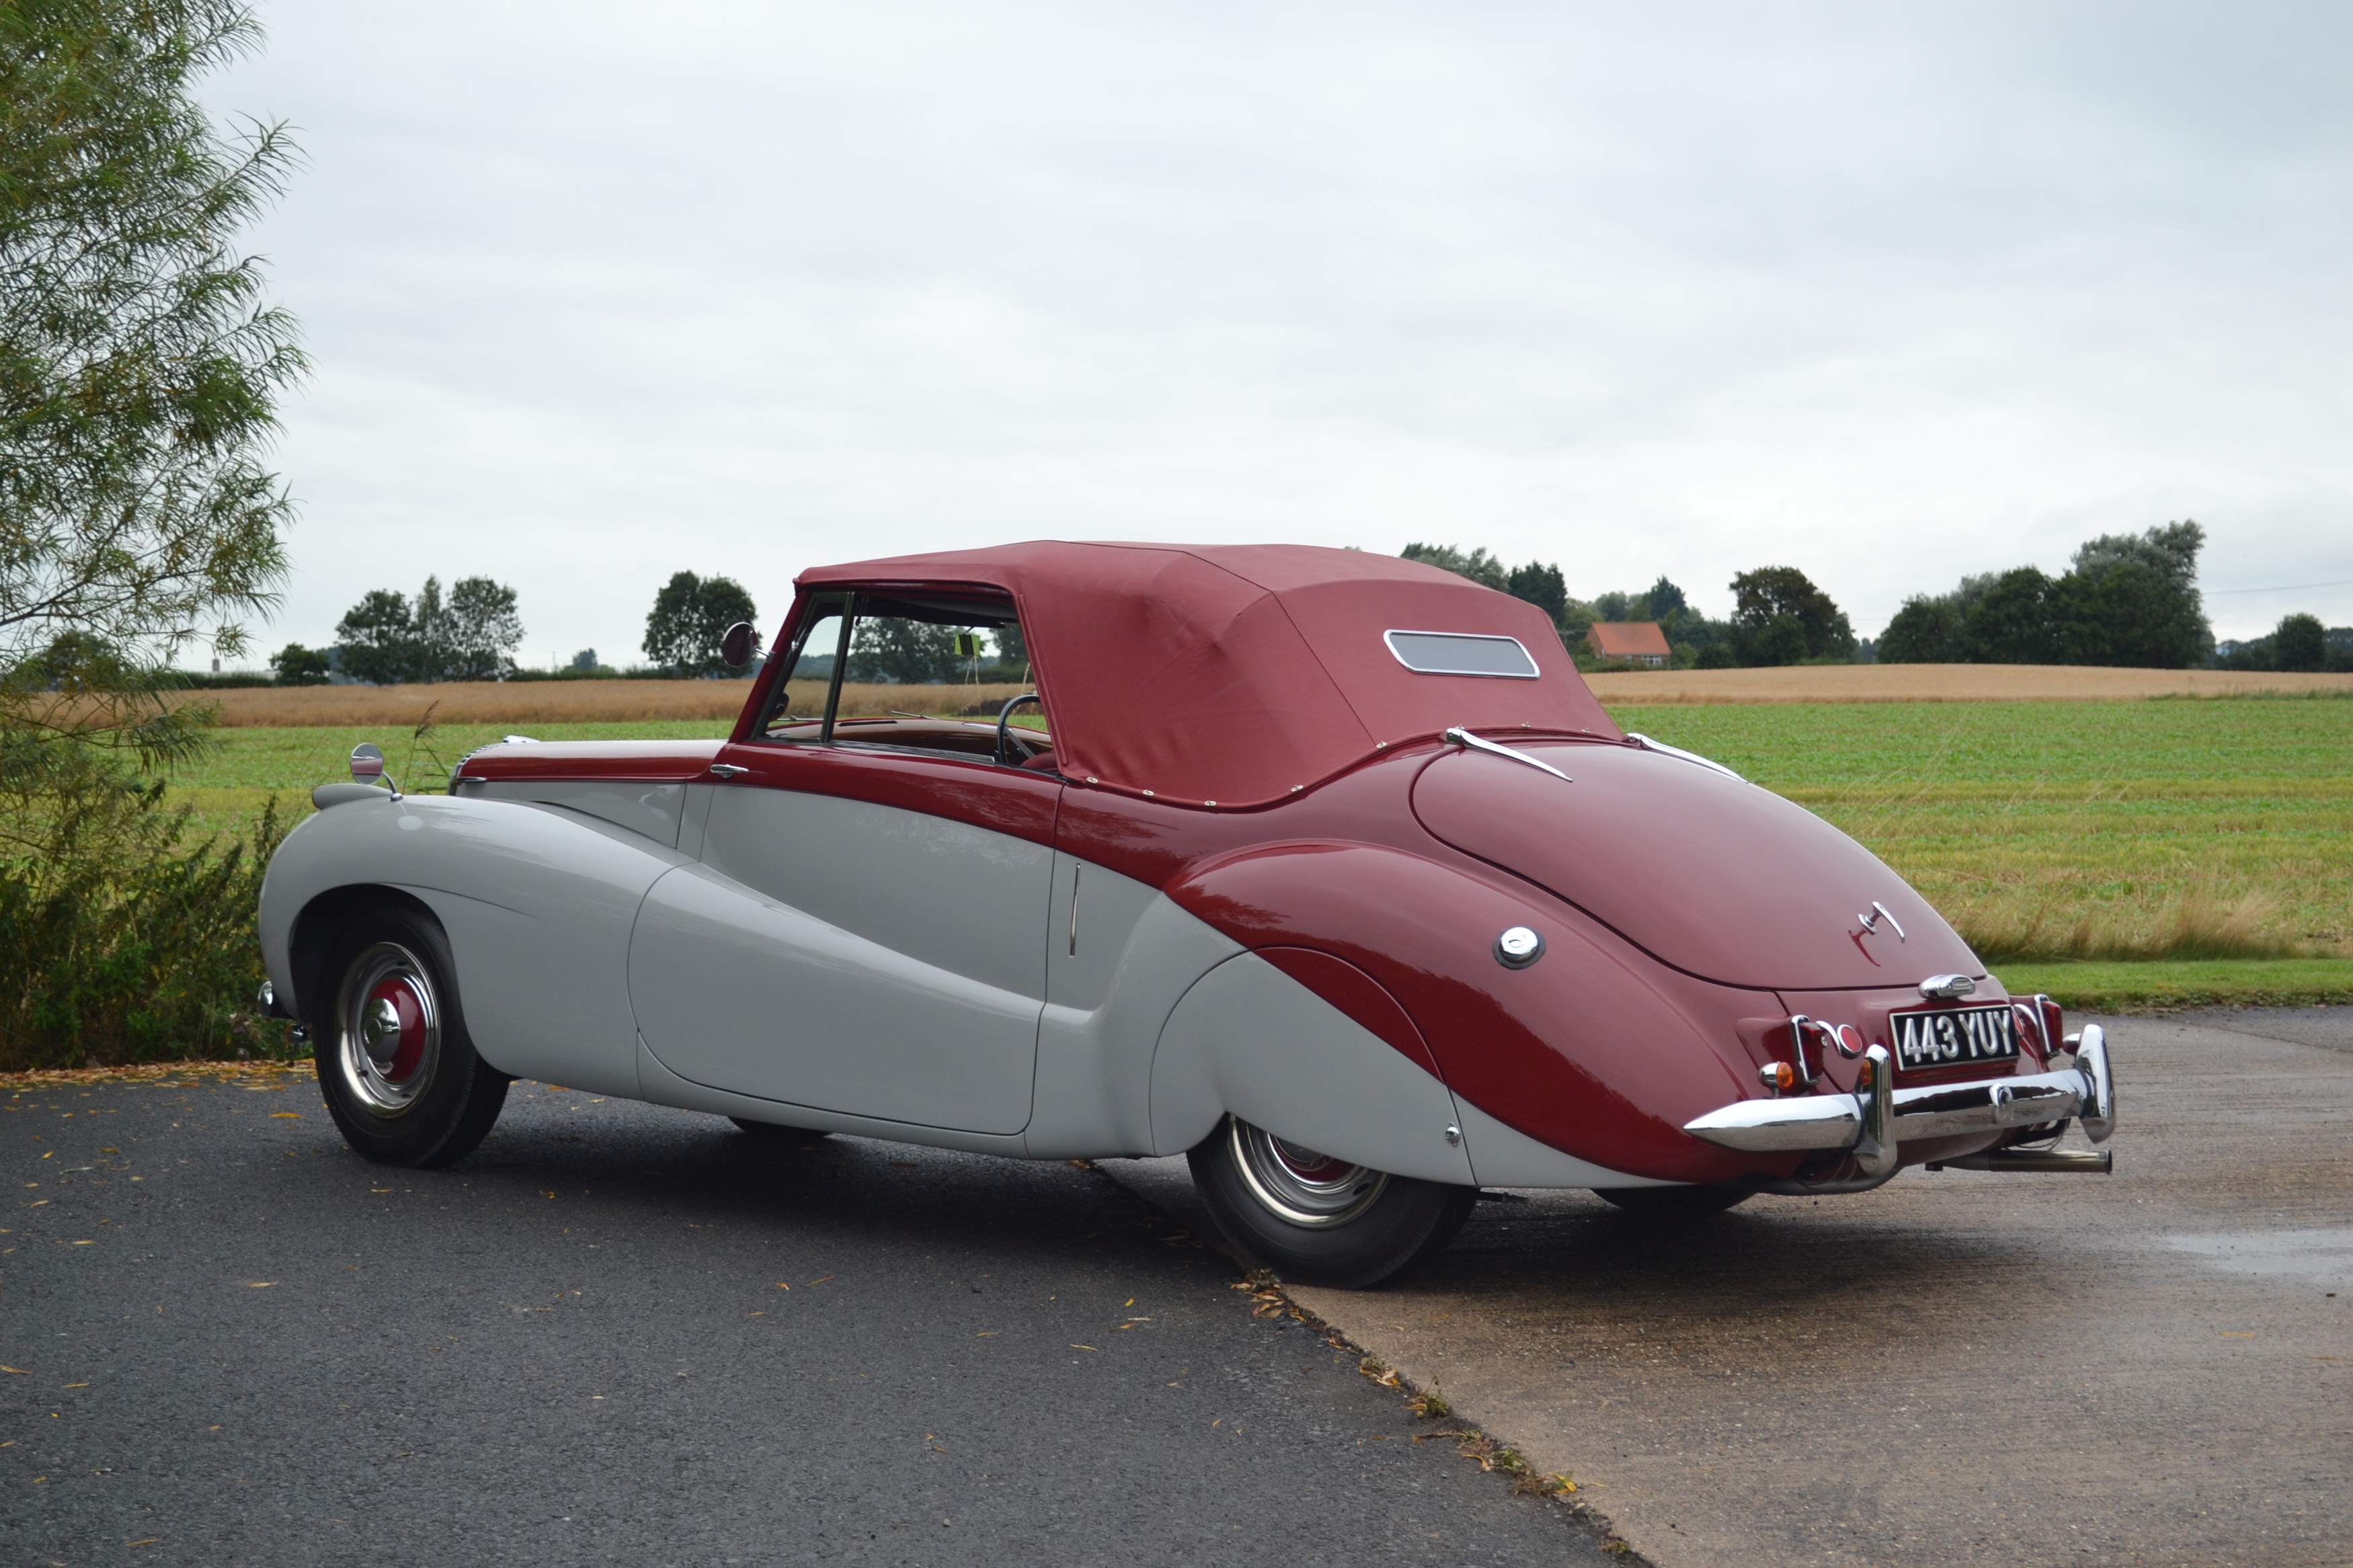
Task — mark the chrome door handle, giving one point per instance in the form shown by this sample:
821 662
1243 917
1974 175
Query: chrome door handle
728 770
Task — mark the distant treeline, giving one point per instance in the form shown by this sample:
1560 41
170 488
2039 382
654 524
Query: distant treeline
2300 643
1779 617
473 633
2127 599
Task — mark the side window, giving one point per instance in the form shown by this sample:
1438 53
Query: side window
905 673
797 712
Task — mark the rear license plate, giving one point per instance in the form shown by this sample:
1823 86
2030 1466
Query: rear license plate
1953 1035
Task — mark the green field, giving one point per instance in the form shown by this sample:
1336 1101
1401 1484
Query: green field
2048 832
2086 831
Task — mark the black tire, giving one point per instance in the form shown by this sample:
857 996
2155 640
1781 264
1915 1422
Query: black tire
1674 1204
397 1067
771 1134
1317 1220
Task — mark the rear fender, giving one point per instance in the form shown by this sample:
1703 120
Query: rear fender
1586 1051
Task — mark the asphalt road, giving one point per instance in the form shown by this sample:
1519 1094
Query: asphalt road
2152 1367
227 1340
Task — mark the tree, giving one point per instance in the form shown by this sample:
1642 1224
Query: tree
2170 551
2300 643
476 637
378 639
472 635
1541 585
1928 629
894 650
2012 621
690 618
1665 600
1478 565
140 364
295 665
1779 617
140 370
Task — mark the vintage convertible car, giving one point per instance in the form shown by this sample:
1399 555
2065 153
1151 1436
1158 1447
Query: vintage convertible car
1327 868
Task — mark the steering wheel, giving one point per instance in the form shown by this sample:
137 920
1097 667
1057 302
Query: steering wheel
1005 724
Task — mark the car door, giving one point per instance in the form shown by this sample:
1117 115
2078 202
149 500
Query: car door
865 934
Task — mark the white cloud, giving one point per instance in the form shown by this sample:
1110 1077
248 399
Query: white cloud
598 293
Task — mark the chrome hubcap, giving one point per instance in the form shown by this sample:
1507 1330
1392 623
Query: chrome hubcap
1301 1186
391 1029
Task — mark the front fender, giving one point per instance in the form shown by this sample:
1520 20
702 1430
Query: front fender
1594 1049
538 904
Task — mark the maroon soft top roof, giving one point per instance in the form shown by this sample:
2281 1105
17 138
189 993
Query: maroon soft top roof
1233 673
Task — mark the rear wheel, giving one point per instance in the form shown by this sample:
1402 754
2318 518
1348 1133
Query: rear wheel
1316 1220
397 1068
1673 1203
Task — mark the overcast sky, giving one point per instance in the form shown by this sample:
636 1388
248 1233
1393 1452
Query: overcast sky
598 293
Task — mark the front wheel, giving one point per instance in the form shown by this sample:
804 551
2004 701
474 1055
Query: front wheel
1316 1220
396 1066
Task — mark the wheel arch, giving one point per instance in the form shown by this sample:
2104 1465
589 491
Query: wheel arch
326 916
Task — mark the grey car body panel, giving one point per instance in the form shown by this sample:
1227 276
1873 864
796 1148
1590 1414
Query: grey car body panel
1106 1003
538 905
651 809
1505 1157
737 990
659 1084
946 893
1247 1038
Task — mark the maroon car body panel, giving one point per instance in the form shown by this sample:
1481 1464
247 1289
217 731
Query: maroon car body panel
1719 878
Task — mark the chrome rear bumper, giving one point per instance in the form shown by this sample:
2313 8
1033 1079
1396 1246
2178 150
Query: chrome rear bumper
2079 1086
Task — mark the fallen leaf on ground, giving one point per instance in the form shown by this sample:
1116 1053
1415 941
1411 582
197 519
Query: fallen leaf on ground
19 1371
259 1284
1086 1348
286 1115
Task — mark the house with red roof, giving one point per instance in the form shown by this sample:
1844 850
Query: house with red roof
1637 642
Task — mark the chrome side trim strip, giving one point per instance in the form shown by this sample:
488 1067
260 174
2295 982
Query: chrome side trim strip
1664 750
1462 737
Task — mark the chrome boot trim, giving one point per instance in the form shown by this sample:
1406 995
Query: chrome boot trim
1462 737
1664 750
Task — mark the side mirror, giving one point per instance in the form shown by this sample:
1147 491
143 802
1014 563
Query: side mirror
736 646
367 767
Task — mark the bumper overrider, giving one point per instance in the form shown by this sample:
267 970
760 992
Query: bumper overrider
1869 1126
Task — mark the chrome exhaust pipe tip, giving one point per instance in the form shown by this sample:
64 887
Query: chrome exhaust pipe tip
2046 1162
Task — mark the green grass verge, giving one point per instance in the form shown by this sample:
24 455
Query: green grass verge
2174 986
